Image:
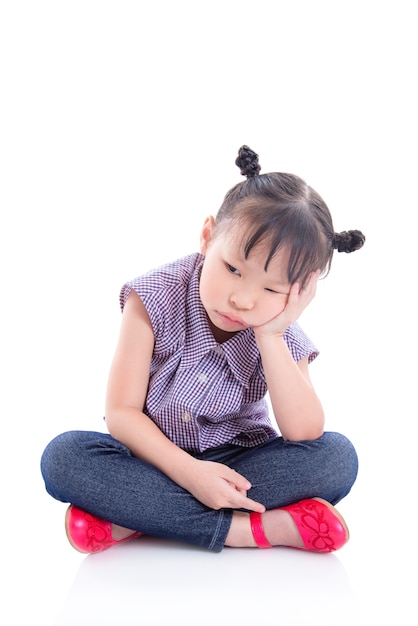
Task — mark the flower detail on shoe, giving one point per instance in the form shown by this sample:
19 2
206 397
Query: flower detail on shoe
313 519
321 527
97 536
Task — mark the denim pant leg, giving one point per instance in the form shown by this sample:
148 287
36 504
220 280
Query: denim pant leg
99 474
282 472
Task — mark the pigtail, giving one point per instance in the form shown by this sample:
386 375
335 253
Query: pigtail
247 161
348 241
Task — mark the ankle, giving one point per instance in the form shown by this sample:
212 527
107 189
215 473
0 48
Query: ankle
240 535
280 529
120 532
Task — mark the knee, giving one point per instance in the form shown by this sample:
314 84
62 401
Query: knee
57 458
70 456
342 450
341 464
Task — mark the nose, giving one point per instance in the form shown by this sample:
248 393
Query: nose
242 299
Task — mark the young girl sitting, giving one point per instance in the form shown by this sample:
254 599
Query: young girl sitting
192 454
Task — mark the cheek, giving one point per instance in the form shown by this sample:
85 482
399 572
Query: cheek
205 295
208 284
271 307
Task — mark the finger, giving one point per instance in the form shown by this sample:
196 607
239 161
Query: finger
252 505
311 286
237 480
313 279
293 297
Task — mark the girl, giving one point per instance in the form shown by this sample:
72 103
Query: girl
192 454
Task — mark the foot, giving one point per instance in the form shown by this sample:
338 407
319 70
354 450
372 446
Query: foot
278 525
311 524
281 530
119 533
88 533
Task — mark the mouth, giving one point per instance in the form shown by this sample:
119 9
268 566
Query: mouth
231 320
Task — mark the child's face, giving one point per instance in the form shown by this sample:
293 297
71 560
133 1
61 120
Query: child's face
236 292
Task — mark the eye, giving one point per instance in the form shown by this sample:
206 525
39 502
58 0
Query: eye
233 269
277 293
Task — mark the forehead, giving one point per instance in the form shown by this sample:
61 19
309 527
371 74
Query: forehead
236 236
232 244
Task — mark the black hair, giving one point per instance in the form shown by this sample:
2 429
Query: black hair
282 211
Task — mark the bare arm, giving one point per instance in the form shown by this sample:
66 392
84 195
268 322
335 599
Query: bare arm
297 408
126 393
214 484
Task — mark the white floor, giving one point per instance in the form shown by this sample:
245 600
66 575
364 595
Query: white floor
149 582
120 122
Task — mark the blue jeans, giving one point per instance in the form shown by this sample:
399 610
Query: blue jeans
97 473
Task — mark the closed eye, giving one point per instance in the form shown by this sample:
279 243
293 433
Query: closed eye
279 293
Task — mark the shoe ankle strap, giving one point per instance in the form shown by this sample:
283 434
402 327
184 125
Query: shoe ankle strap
258 530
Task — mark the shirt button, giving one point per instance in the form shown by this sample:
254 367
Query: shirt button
186 417
218 349
202 378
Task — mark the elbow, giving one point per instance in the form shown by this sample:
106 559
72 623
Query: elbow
304 436
305 432
111 425
115 421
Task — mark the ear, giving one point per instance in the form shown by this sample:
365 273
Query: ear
206 234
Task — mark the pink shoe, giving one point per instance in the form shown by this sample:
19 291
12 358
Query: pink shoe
88 533
322 528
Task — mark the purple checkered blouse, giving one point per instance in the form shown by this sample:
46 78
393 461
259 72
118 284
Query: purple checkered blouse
203 394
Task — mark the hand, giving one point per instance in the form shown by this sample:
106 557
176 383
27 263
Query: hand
297 301
218 487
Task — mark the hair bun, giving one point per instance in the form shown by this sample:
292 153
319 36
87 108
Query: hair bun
247 161
348 240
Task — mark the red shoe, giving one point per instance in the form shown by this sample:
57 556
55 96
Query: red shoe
322 528
88 533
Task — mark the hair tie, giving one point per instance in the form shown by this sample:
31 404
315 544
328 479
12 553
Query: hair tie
247 161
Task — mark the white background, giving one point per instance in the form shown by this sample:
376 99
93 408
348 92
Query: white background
120 123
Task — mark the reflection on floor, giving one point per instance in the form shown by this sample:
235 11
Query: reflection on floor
155 583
